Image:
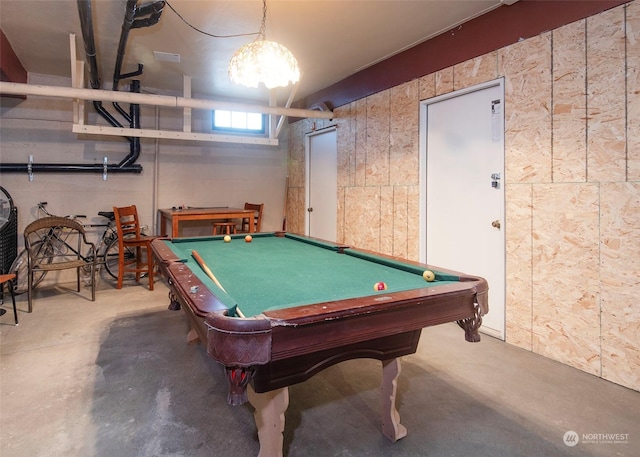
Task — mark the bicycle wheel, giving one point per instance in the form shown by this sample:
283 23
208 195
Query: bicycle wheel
112 258
20 268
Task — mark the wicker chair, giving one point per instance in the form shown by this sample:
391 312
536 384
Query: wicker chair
57 243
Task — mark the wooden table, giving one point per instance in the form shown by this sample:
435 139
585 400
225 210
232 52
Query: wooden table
200 214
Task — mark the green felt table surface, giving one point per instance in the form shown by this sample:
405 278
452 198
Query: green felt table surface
274 272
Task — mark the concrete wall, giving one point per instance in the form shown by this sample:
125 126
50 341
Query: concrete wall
572 145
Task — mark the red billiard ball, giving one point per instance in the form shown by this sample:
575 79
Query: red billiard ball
380 286
248 238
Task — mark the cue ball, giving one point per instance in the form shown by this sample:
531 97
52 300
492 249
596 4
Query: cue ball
227 238
380 286
429 275
248 238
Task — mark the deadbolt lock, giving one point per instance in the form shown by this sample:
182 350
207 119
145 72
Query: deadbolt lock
495 180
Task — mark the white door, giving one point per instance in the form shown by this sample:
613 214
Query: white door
464 152
322 185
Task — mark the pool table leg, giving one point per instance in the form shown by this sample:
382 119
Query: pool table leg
192 336
391 426
269 416
472 324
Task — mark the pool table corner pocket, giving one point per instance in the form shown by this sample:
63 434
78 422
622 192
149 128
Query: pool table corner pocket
240 345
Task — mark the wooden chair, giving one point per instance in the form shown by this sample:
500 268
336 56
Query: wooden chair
257 218
131 245
8 279
57 243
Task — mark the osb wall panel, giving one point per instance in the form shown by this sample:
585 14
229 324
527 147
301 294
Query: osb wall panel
340 229
633 91
444 81
404 165
413 222
572 191
606 153
427 86
400 231
296 190
360 116
346 147
519 305
569 104
295 210
362 227
387 223
620 282
475 71
377 147
346 161
564 277
526 67
404 130
296 155
370 146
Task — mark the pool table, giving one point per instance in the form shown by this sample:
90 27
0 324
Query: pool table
283 307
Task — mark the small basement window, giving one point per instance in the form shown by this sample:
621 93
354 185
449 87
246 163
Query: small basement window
239 122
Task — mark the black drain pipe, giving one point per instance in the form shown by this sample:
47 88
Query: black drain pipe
127 165
67 168
86 24
133 19
134 116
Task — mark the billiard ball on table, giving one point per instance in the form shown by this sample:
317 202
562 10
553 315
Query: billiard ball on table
380 286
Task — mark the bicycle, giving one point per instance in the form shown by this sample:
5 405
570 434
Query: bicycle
107 251
108 247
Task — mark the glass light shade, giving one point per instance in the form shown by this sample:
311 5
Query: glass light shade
264 62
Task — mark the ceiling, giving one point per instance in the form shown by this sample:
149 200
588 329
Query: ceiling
331 39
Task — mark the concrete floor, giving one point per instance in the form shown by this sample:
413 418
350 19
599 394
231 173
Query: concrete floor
115 378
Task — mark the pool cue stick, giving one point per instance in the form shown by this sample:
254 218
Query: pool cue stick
286 194
206 269
209 273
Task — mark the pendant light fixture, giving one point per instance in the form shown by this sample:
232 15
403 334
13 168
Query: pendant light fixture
263 61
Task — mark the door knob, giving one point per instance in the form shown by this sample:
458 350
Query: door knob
310 210
496 224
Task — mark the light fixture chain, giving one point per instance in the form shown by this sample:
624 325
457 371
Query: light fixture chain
262 33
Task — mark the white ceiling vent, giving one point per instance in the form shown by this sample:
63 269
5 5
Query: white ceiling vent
166 57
